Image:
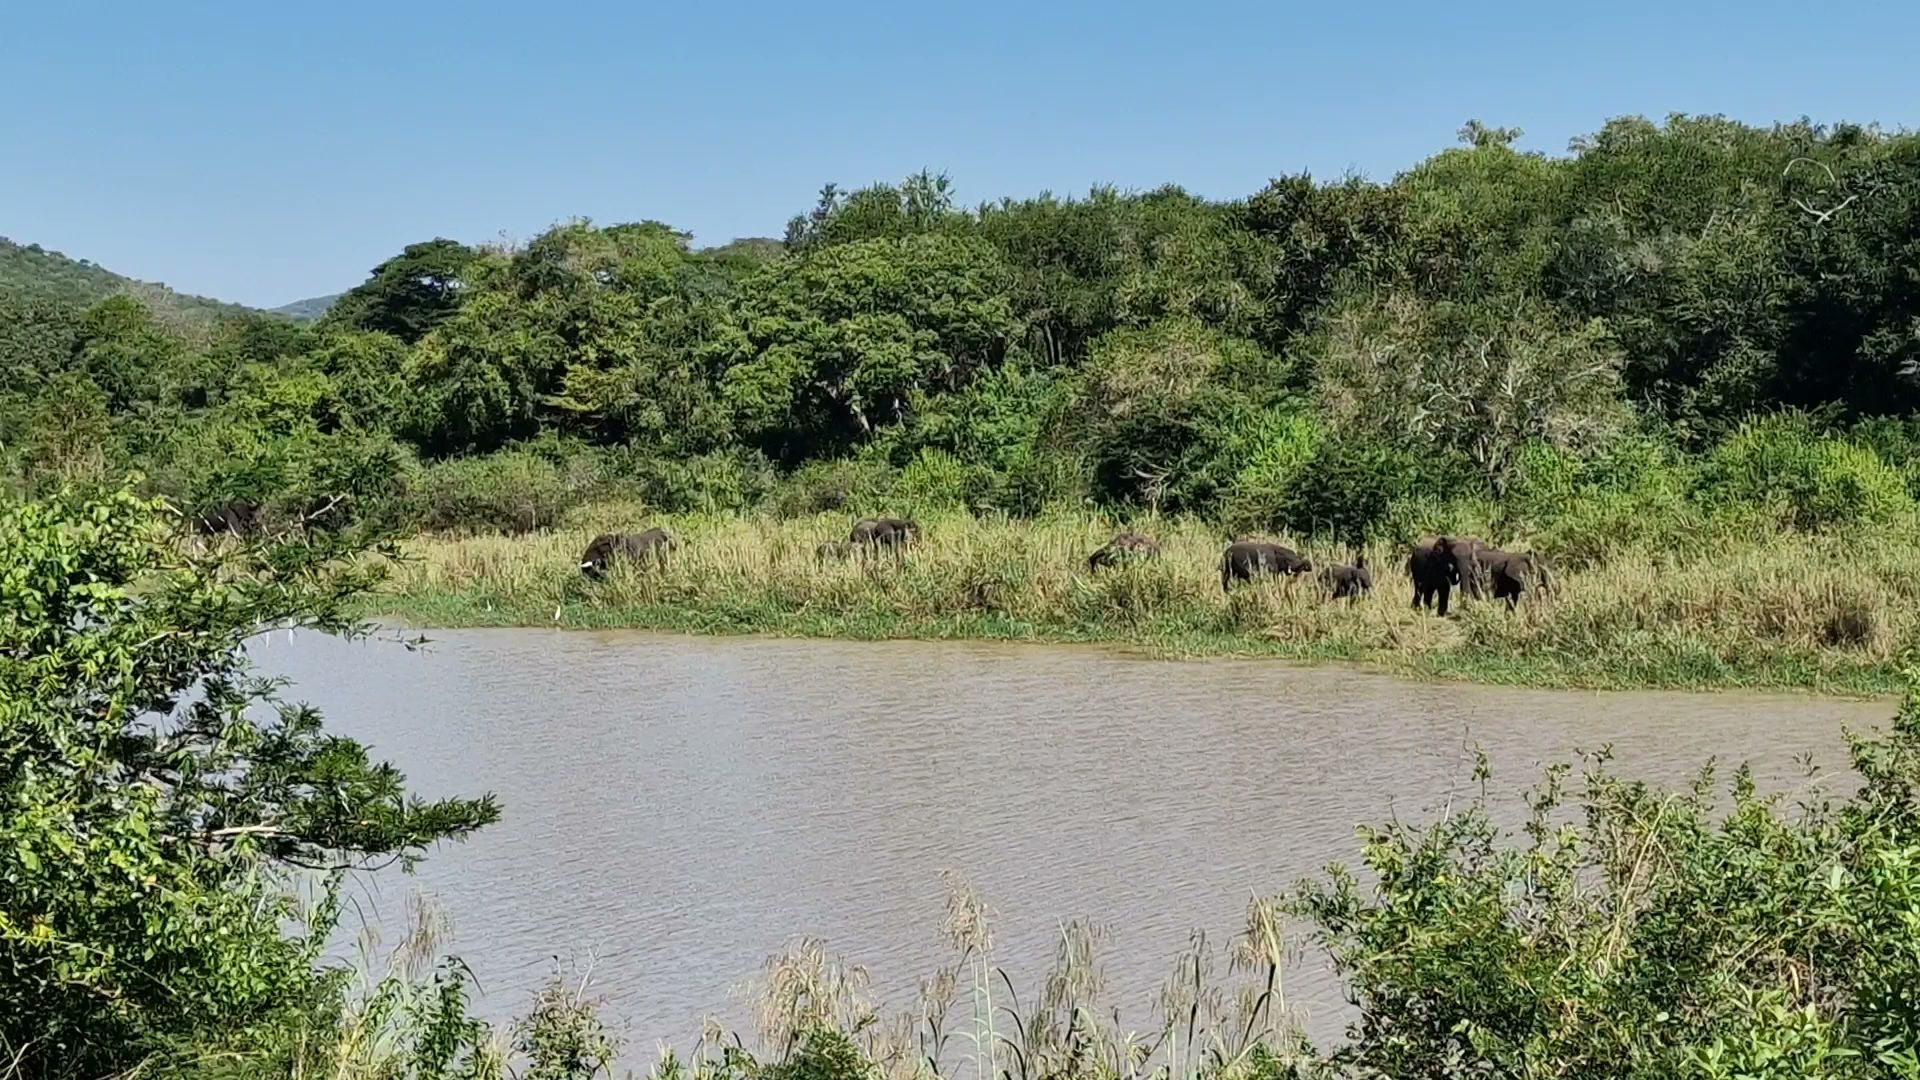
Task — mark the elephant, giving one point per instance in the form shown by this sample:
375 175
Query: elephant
1512 574
609 548
1439 563
1349 582
833 551
894 534
237 517
1245 558
1123 548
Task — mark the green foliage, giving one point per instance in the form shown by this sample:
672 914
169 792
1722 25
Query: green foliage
563 1037
1636 494
1317 355
823 1054
409 294
514 490
1777 464
1163 413
158 798
1629 932
831 345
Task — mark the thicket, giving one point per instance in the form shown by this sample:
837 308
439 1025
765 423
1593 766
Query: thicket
1670 322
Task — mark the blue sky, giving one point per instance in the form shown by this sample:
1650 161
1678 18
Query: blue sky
265 152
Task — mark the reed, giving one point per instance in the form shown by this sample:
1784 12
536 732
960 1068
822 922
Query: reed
1816 612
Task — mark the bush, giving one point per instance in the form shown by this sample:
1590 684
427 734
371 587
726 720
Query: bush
820 487
1806 481
1273 447
513 490
710 483
1578 511
1897 442
1629 932
1349 486
936 480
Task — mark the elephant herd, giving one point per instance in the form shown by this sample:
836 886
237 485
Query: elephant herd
1440 564
1437 565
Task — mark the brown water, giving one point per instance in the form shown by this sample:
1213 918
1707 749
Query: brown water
679 807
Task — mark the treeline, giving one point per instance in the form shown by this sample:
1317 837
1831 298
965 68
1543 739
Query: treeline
1491 333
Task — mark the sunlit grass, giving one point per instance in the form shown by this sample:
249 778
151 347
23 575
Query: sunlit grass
1826 613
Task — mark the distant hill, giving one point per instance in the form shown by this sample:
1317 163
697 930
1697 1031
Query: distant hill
755 249
307 310
35 274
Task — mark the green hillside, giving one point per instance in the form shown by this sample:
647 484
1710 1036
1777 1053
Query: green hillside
306 310
30 272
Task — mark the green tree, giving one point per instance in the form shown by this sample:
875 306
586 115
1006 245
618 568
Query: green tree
479 379
131 357
1163 414
409 294
1477 381
829 346
159 802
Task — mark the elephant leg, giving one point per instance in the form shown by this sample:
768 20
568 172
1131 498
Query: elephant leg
1443 591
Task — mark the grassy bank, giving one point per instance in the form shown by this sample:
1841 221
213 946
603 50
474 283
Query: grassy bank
1815 613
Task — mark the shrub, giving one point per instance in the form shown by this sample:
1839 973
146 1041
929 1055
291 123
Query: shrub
1632 494
1630 932
1778 463
1897 442
514 490
840 484
710 483
1350 485
936 480
1274 448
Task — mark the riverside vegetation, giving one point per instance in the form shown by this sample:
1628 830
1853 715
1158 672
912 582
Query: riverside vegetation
1680 354
1830 612
176 839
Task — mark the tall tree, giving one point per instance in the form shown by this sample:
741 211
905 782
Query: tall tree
409 294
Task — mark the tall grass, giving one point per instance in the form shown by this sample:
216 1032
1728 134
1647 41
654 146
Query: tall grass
1803 611
970 1021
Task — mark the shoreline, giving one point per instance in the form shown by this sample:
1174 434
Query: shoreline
1525 672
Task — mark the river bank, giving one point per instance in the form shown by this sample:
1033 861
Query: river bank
1823 614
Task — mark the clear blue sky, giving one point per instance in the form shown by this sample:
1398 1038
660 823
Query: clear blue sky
265 152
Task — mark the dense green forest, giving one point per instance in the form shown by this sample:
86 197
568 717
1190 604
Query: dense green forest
1330 357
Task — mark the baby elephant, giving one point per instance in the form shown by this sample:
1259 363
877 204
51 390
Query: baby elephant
1244 560
1511 575
1348 582
832 551
609 548
1123 548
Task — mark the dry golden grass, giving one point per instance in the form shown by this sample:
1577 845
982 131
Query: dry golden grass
1817 612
